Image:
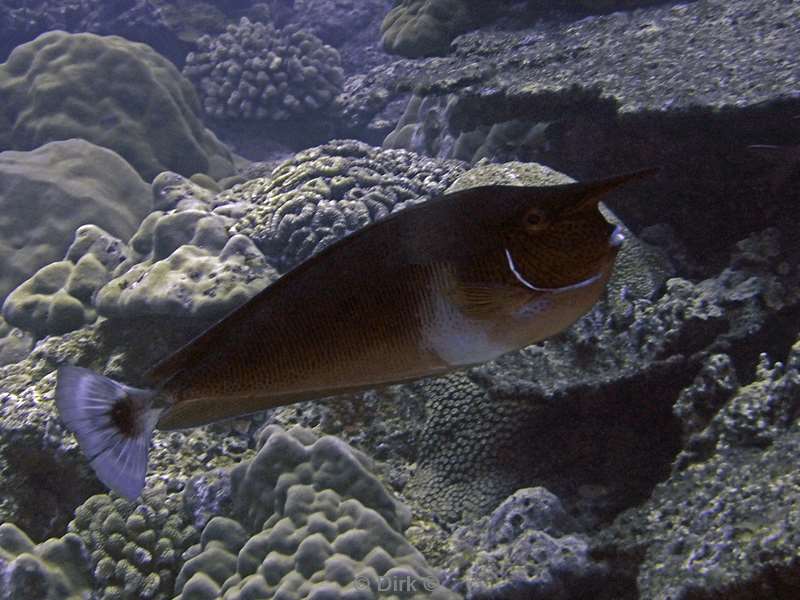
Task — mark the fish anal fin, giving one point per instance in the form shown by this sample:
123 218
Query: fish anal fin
489 301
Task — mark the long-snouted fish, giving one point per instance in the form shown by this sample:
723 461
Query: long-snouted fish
456 281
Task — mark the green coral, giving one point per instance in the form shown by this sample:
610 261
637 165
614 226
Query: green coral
254 71
59 297
324 193
135 549
312 521
184 262
53 570
115 93
47 193
46 303
425 27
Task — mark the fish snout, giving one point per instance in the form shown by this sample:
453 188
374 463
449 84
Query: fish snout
617 238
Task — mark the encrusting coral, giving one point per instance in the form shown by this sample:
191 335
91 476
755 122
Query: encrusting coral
115 93
726 522
255 71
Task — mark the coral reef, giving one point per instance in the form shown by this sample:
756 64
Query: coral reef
254 71
324 193
183 262
45 194
112 92
59 297
424 128
336 22
136 20
135 549
14 343
54 569
311 521
726 523
527 549
482 427
424 27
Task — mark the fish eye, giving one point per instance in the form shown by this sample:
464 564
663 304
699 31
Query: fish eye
535 220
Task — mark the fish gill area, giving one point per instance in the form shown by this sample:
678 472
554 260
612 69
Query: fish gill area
162 161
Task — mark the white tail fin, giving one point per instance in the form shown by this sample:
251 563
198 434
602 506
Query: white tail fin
113 424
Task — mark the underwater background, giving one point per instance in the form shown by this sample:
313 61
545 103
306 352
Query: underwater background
162 161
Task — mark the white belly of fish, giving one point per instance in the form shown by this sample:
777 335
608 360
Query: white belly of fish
457 340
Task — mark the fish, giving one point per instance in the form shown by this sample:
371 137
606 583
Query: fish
445 284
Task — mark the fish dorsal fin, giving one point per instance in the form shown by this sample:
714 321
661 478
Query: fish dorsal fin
488 301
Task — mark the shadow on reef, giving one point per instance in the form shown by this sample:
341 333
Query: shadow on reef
42 486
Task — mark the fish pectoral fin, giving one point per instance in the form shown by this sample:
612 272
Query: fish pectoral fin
487 301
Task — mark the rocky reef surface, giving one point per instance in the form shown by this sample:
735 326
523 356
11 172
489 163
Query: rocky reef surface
646 452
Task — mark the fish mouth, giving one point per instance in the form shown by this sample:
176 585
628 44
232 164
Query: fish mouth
617 238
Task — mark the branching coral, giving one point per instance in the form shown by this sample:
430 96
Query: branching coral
254 71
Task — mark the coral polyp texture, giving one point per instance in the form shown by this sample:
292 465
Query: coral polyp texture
134 549
255 71
115 93
312 522
324 193
183 261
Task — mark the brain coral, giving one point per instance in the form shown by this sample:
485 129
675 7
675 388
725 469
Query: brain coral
115 93
324 193
254 71
135 550
313 523
47 193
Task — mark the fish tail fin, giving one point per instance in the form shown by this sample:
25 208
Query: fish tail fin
113 424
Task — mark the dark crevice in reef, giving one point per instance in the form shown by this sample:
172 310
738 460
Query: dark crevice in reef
45 489
714 188
774 338
619 443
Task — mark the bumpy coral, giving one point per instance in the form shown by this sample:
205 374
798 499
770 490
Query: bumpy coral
47 193
424 27
59 297
115 93
53 569
425 127
183 261
727 525
526 549
135 550
324 193
312 522
14 343
254 71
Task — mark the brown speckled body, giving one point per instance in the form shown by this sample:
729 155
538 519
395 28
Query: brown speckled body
427 290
